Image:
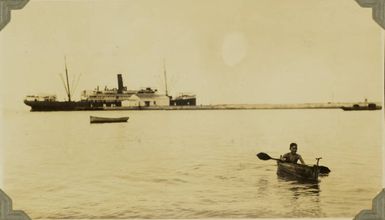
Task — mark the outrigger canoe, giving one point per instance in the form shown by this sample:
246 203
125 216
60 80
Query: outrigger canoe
94 119
298 171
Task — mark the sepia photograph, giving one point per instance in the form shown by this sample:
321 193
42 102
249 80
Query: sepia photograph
191 109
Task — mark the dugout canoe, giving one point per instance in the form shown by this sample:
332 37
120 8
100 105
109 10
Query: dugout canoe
298 171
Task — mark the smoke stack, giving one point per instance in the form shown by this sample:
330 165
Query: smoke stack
120 83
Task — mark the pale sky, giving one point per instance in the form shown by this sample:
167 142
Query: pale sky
224 51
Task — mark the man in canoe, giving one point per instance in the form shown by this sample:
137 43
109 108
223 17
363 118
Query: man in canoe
292 156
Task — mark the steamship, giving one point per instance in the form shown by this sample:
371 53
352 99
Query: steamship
116 98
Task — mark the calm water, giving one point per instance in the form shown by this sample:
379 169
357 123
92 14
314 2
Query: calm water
189 164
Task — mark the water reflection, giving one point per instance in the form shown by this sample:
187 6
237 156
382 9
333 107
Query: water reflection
263 187
303 197
300 187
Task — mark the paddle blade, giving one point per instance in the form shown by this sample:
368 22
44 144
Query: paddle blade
263 156
324 170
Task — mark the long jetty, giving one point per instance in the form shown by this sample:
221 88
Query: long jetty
244 106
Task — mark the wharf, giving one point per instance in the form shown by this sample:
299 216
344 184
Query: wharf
240 106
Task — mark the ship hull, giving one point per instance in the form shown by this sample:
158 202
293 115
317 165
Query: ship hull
361 108
62 106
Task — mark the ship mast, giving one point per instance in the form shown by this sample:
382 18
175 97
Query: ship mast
68 85
165 76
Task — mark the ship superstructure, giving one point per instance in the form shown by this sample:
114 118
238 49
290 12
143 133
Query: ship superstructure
183 100
121 97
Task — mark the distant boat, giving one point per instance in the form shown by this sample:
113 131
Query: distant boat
95 119
356 107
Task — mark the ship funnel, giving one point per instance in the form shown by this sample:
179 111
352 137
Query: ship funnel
120 83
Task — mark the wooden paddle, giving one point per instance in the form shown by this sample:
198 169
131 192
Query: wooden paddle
265 156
